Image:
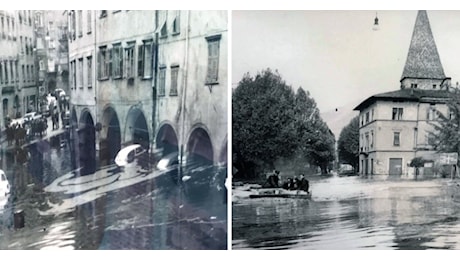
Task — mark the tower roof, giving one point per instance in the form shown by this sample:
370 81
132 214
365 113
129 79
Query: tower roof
423 59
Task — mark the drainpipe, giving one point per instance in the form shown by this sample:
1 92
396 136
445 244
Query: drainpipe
154 84
184 91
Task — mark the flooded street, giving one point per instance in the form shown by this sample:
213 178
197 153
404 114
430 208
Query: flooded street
353 213
129 208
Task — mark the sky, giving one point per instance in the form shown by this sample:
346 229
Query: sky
336 55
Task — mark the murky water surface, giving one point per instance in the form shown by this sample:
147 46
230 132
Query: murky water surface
353 213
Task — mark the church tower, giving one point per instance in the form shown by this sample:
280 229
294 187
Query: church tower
423 69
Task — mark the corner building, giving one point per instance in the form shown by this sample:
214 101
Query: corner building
396 126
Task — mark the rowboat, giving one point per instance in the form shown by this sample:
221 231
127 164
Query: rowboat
279 193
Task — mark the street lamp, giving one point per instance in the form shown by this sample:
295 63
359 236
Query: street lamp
376 23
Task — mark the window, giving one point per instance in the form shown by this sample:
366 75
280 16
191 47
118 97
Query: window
26 47
31 71
145 60
396 139
129 61
213 59
3 28
23 73
27 73
372 139
397 113
163 17
434 86
6 72
413 85
1 72
12 71
80 73
41 65
12 28
117 61
80 23
89 67
431 113
73 25
366 144
161 83
367 117
176 24
74 75
32 74
174 77
71 75
104 60
20 44
88 21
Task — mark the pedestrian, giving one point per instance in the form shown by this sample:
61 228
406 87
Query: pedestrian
304 184
273 179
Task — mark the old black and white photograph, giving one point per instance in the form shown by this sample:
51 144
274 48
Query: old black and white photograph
345 130
113 129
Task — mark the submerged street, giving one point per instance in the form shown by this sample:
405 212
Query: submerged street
352 213
131 208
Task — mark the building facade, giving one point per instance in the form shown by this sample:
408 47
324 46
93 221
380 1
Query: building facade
52 51
158 78
18 77
397 126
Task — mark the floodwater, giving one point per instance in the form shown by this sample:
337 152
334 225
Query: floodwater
353 213
129 208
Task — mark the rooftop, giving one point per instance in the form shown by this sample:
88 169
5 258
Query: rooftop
416 95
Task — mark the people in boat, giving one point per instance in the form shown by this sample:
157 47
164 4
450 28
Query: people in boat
296 184
289 184
273 179
304 184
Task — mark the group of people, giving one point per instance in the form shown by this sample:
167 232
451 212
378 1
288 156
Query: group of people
296 183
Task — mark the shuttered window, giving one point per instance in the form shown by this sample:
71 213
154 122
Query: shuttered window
174 78
162 81
117 61
213 60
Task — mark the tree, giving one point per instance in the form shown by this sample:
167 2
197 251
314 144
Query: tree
315 140
447 128
262 122
417 162
348 143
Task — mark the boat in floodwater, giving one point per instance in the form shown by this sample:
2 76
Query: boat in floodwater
279 193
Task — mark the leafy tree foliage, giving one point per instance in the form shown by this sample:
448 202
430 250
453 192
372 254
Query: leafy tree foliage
348 143
269 122
447 128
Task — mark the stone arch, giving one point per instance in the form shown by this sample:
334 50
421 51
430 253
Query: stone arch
87 143
199 146
136 128
166 139
110 136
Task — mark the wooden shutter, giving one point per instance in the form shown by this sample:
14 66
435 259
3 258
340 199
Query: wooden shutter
121 52
140 61
99 65
109 63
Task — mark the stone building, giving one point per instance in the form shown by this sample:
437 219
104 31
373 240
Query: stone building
396 126
52 50
18 77
158 78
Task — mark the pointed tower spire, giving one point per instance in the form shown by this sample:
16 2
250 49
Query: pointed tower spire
423 60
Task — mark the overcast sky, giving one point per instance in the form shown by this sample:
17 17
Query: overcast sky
335 54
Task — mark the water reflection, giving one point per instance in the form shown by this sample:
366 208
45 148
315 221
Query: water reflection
353 213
